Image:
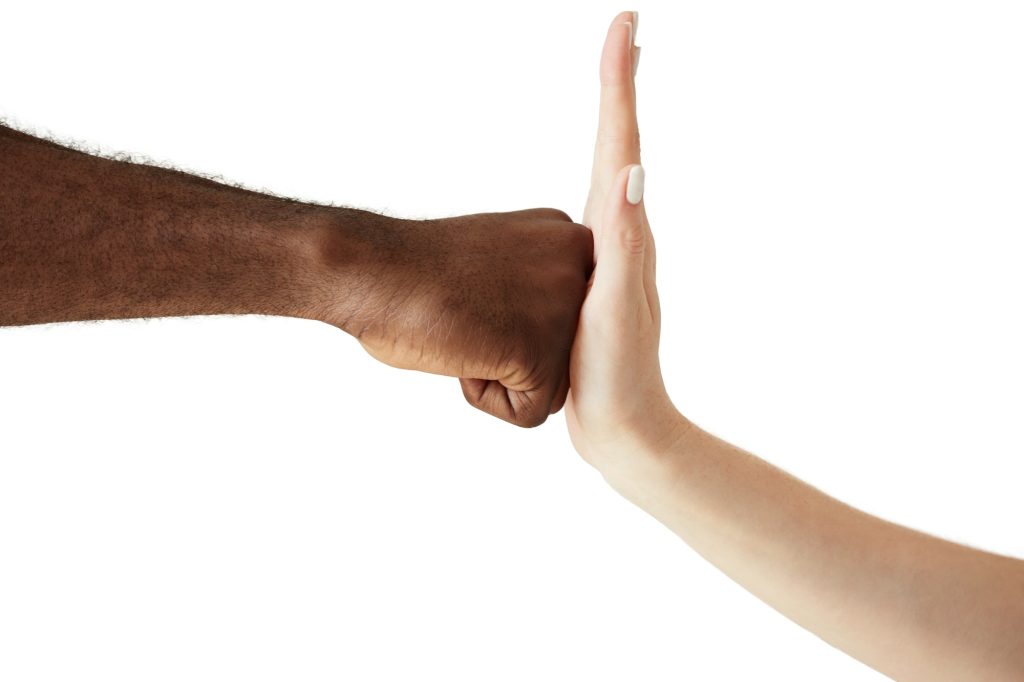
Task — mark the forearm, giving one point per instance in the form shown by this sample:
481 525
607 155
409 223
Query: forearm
910 605
492 298
86 238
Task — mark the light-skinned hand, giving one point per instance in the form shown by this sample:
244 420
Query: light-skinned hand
618 399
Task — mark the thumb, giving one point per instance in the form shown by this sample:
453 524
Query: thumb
619 271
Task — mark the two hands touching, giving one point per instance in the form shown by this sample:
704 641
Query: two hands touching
912 606
566 315
494 299
611 381
510 333
589 290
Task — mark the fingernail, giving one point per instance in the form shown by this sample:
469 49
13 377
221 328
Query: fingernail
630 43
636 59
635 185
636 25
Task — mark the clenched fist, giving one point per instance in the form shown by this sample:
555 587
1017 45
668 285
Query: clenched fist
491 298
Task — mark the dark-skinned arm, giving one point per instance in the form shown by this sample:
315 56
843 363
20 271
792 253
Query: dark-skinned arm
490 298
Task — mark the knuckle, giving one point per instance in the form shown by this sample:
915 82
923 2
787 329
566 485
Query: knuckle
633 239
558 214
532 419
618 135
548 214
473 392
531 408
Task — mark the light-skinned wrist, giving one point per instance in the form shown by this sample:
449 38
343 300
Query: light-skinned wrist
648 461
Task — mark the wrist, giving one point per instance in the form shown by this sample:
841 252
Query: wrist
351 257
649 461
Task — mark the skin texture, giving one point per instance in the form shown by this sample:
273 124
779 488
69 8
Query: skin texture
488 298
910 605
492 298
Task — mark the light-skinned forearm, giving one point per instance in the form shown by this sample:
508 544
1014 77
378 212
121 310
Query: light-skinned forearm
913 606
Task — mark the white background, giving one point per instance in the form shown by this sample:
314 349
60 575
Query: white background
836 190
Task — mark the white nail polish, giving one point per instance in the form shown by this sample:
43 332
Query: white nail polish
636 59
635 185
